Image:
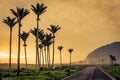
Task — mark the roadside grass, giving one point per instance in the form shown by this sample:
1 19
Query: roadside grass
31 74
114 71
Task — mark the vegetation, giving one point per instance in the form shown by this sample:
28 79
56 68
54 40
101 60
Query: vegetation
53 29
11 23
112 59
20 13
70 51
38 10
30 74
24 37
60 49
114 71
44 66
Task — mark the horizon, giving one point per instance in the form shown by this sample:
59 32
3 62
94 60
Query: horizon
83 28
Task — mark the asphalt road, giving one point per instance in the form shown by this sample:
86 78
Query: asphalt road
89 73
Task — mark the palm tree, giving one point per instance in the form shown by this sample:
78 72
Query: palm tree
11 23
70 51
34 32
53 29
47 41
60 49
112 59
24 36
38 10
41 54
20 13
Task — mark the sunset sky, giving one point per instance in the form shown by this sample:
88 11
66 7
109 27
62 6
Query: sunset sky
85 26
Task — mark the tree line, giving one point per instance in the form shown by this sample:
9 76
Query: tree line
43 40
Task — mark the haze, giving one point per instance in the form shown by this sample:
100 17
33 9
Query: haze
86 25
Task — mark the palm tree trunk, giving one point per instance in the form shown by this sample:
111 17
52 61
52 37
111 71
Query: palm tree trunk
10 49
49 55
25 54
70 59
45 56
60 59
37 46
36 59
18 63
53 51
42 57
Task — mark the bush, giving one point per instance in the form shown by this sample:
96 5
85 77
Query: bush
67 70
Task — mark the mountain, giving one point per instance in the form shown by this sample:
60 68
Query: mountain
102 54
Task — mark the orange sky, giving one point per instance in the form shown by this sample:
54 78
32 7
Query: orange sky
86 25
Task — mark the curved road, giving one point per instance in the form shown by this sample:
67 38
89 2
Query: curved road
89 73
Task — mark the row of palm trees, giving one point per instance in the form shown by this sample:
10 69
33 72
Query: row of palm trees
43 40
70 51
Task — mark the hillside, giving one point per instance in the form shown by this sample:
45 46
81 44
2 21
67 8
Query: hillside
103 53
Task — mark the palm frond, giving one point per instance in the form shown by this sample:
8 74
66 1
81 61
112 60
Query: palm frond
70 50
20 12
38 9
24 36
54 28
60 48
10 22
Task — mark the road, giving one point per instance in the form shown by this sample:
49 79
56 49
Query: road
89 73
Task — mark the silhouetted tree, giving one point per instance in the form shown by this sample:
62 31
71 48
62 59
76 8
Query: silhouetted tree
112 59
60 49
38 10
41 36
47 41
11 23
53 29
70 51
34 32
24 37
20 13
41 54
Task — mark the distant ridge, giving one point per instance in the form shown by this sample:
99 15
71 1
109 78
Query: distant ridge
103 53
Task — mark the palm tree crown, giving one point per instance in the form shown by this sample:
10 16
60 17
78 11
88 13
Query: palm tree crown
20 13
41 35
38 9
40 32
60 48
47 39
54 28
70 50
24 36
10 22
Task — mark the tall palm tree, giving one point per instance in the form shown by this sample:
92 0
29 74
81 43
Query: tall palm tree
41 54
38 10
60 49
70 51
49 41
24 36
34 32
11 23
53 29
20 13
41 36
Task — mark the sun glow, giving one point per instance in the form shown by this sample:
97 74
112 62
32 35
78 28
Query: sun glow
4 55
